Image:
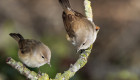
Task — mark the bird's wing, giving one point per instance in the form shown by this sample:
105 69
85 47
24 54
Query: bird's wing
67 19
28 45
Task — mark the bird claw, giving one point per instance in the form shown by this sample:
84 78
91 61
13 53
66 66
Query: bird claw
39 72
71 65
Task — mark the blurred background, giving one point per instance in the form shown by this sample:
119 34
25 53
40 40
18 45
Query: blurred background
116 52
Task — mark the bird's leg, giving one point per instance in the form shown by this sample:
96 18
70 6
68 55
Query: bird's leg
39 72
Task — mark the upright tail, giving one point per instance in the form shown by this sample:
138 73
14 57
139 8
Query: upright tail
16 36
65 4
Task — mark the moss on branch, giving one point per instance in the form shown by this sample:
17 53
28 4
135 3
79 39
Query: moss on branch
74 68
67 74
25 71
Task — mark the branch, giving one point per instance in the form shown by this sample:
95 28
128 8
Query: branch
88 10
74 68
25 71
67 74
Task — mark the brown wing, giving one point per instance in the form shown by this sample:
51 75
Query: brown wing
68 18
27 45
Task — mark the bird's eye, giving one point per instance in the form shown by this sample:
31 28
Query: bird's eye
43 57
96 29
83 43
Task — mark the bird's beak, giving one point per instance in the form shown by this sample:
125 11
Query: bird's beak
78 50
49 64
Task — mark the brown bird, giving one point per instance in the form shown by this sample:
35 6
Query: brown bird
31 52
80 31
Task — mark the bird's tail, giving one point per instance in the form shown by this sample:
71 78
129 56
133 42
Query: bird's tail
65 4
16 36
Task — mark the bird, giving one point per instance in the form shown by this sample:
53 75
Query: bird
31 52
81 32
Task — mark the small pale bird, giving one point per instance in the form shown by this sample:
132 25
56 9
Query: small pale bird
80 31
31 52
